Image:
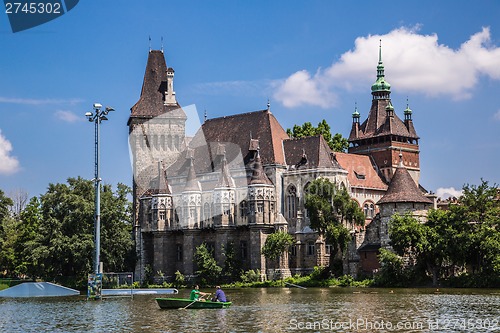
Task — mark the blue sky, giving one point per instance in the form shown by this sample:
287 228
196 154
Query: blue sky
313 59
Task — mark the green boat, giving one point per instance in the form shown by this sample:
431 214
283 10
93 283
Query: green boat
180 303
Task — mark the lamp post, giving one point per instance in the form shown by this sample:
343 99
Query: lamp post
96 117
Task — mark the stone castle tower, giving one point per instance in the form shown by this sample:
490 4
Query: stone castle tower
156 125
156 138
383 135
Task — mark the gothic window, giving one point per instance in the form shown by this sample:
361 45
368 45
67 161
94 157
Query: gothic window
162 142
243 250
293 250
192 213
206 211
162 215
291 200
179 252
311 250
226 209
252 208
271 207
369 210
260 207
243 208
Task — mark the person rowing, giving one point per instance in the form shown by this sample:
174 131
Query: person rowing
197 295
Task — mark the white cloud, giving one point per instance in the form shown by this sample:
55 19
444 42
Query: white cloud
300 88
68 116
413 63
8 164
446 192
34 101
496 116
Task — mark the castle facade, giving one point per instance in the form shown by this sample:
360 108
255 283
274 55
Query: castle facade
241 178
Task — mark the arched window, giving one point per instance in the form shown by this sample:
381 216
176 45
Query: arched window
206 211
291 201
311 249
369 210
243 208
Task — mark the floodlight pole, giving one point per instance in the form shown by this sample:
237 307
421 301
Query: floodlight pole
97 116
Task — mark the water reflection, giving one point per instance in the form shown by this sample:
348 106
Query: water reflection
266 310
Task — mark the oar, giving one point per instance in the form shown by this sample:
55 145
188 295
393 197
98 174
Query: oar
188 305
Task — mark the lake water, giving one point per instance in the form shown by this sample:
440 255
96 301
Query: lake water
267 310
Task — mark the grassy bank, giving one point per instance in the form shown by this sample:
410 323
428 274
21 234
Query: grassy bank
304 281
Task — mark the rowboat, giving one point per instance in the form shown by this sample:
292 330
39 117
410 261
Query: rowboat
178 303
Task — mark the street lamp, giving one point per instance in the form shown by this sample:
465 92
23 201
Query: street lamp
96 117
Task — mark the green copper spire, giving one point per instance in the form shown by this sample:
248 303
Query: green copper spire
407 111
381 84
355 114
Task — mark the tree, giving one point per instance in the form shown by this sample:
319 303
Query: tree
336 142
466 237
208 270
276 244
19 201
7 228
5 203
330 208
426 243
232 266
59 231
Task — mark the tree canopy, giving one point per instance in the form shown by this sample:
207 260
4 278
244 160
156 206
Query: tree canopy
465 238
330 208
54 234
276 243
336 142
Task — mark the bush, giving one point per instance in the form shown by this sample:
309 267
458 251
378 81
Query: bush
250 276
179 280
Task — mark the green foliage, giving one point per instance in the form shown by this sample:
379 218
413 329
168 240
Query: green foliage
208 271
53 237
232 266
392 271
5 203
330 208
466 237
276 244
250 276
179 280
336 142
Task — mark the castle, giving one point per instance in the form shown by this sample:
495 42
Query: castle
241 178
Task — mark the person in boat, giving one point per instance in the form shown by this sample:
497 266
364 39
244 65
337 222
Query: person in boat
196 294
219 296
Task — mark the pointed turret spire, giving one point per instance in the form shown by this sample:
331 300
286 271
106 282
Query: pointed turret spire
163 187
191 183
381 88
355 114
225 179
258 174
407 111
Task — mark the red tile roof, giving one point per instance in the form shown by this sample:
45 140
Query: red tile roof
309 152
379 124
361 171
403 189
